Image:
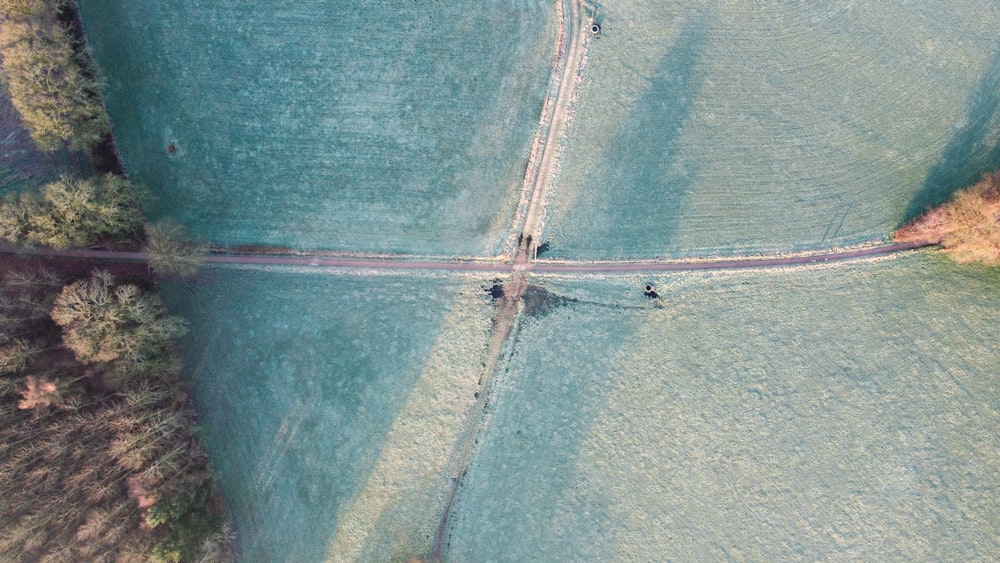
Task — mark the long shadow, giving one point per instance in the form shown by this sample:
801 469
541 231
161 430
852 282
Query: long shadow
521 478
972 151
643 158
299 399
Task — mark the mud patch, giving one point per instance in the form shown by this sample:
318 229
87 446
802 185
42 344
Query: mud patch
539 301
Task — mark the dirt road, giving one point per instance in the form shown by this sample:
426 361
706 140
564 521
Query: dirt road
492 266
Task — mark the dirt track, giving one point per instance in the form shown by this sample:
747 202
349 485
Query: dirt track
570 50
485 265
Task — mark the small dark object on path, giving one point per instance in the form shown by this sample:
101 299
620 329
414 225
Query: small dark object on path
650 292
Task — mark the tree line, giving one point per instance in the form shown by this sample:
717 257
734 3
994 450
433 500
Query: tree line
100 459
48 72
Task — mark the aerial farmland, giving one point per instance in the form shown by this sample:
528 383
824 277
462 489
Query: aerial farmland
553 280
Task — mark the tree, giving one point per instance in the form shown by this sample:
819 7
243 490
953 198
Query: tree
80 212
73 213
171 251
121 326
967 226
52 83
41 392
18 355
15 216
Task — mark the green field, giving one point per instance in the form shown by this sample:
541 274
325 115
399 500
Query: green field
828 413
720 128
846 411
331 403
320 125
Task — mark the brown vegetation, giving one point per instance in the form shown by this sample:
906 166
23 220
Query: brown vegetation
91 471
967 227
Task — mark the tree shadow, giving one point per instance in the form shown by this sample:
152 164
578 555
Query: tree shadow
972 151
640 184
649 171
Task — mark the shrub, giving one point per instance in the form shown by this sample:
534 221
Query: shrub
18 355
52 83
967 226
189 522
15 216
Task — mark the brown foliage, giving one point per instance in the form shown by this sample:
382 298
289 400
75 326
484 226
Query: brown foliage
81 470
41 392
967 227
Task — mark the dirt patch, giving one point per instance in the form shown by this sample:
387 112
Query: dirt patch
539 301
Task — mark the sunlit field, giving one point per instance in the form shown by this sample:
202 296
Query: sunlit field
829 413
722 128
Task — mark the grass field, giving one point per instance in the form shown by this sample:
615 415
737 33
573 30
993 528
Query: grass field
829 413
843 411
332 403
826 412
719 128
401 127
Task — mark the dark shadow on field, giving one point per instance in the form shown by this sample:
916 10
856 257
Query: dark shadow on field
298 404
645 189
973 150
521 498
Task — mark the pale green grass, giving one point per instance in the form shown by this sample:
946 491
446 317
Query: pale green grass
332 404
737 127
362 126
830 413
